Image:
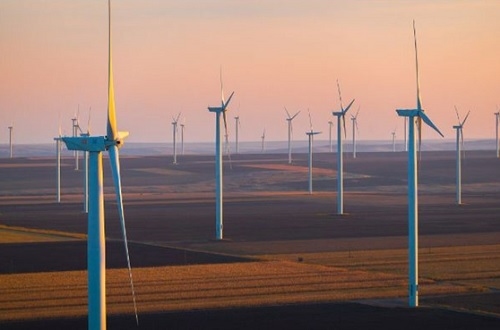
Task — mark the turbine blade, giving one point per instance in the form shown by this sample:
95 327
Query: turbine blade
228 151
221 87
419 103
419 127
114 159
112 130
465 119
295 115
458 116
340 96
426 120
346 109
288 113
224 106
343 123
88 122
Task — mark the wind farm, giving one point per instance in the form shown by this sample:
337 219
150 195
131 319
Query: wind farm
407 251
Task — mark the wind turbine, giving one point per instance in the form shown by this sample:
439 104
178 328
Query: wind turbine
393 140
237 126
182 138
290 133
340 166
218 160
263 138
310 134
405 121
460 142
58 164
497 119
175 120
75 129
330 124
419 116
96 255
11 128
354 129
86 171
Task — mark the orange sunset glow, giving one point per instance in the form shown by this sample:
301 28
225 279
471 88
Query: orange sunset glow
167 56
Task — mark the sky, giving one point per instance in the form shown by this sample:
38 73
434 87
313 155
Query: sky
167 55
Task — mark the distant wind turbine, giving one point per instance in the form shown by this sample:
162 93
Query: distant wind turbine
218 160
419 116
354 119
175 120
237 127
330 124
11 128
76 128
311 134
58 164
182 138
460 142
394 140
96 255
497 119
340 166
263 138
289 119
86 171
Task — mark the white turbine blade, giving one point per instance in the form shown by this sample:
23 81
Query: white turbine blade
343 123
114 159
112 130
221 88
88 122
288 114
357 112
310 120
178 116
465 119
340 96
224 106
458 116
419 103
349 106
295 115
426 120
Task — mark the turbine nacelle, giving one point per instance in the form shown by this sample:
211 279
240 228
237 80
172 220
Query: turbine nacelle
420 114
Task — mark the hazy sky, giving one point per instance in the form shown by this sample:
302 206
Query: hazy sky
274 53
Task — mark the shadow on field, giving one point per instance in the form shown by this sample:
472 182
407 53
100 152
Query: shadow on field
339 316
72 255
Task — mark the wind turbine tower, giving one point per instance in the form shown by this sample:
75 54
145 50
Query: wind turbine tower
175 120
76 128
11 128
354 129
182 139
393 141
263 138
237 126
414 115
405 121
340 166
289 119
218 160
497 119
330 124
460 142
96 247
311 134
